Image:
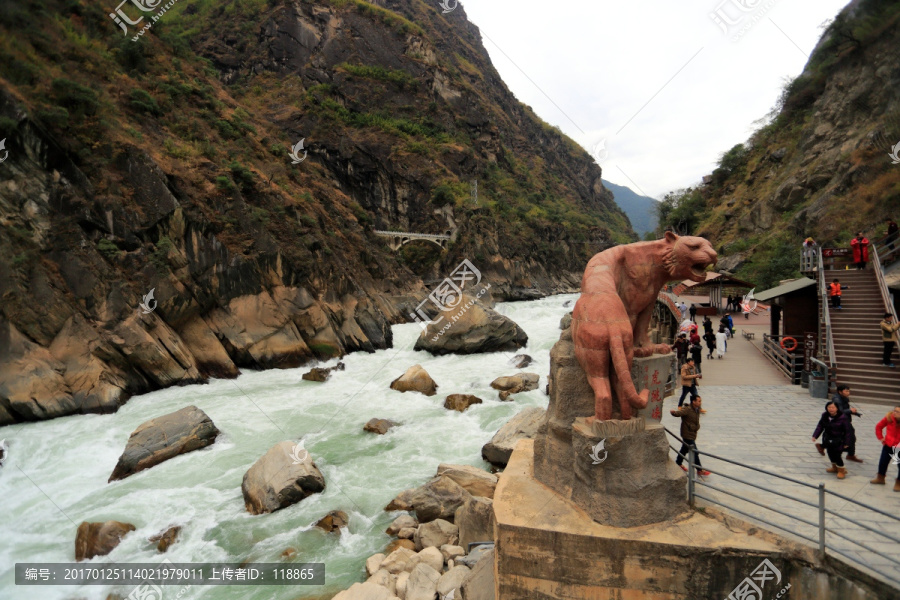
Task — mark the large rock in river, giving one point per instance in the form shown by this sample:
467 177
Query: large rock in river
99 539
477 329
522 426
164 437
416 379
279 479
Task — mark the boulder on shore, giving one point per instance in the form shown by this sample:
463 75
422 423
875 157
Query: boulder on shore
365 591
437 499
522 426
99 539
416 379
460 402
477 482
165 437
278 479
475 520
435 534
378 426
477 329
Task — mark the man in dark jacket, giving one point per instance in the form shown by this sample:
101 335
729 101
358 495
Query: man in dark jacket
842 399
681 348
835 426
690 425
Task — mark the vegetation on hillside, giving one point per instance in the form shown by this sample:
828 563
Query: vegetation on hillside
743 206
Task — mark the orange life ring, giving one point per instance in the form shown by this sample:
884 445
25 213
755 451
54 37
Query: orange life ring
792 348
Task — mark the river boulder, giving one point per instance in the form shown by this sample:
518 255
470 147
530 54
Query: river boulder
333 521
165 437
365 591
378 426
522 426
460 402
280 479
416 379
99 539
321 374
513 384
476 329
166 538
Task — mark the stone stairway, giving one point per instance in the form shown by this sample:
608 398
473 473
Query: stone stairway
857 339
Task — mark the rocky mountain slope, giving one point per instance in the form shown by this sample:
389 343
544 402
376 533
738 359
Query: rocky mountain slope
160 159
821 167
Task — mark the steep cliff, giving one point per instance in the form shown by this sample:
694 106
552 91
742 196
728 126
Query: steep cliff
821 167
160 159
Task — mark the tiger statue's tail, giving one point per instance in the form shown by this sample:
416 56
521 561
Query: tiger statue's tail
625 389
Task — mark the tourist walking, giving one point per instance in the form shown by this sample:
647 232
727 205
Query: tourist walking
681 348
707 324
809 254
690 426
694 338
729 324
892 234
834 428
684 310
888 338
710 339
721 342
860 246
693 312
887 430
842 399
697 354
689 377
834 290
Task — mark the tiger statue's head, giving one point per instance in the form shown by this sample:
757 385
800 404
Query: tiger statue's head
687 257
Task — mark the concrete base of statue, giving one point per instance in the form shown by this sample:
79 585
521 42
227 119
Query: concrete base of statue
635 483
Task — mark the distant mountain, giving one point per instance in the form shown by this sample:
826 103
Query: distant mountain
641 210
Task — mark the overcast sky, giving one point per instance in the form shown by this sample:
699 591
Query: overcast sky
659 80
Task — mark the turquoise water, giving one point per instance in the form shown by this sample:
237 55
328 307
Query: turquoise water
56 474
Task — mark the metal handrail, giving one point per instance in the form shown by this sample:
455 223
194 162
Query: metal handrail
796 520
826 316
882 284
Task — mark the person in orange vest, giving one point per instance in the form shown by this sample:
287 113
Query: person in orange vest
860 245
834 290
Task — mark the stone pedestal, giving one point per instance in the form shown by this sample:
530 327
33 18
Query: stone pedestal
630 482
636 484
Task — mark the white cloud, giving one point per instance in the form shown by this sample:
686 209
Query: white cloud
600 62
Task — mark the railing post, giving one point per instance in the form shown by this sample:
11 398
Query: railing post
691 476
822 519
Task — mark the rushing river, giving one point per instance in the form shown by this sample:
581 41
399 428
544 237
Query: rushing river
56 474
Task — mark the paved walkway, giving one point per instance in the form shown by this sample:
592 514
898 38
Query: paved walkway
769 426
757 418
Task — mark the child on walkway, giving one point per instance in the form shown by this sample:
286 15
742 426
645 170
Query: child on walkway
690 425
836 429
888 433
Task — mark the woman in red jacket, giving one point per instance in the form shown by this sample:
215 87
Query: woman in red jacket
860 245
888 432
